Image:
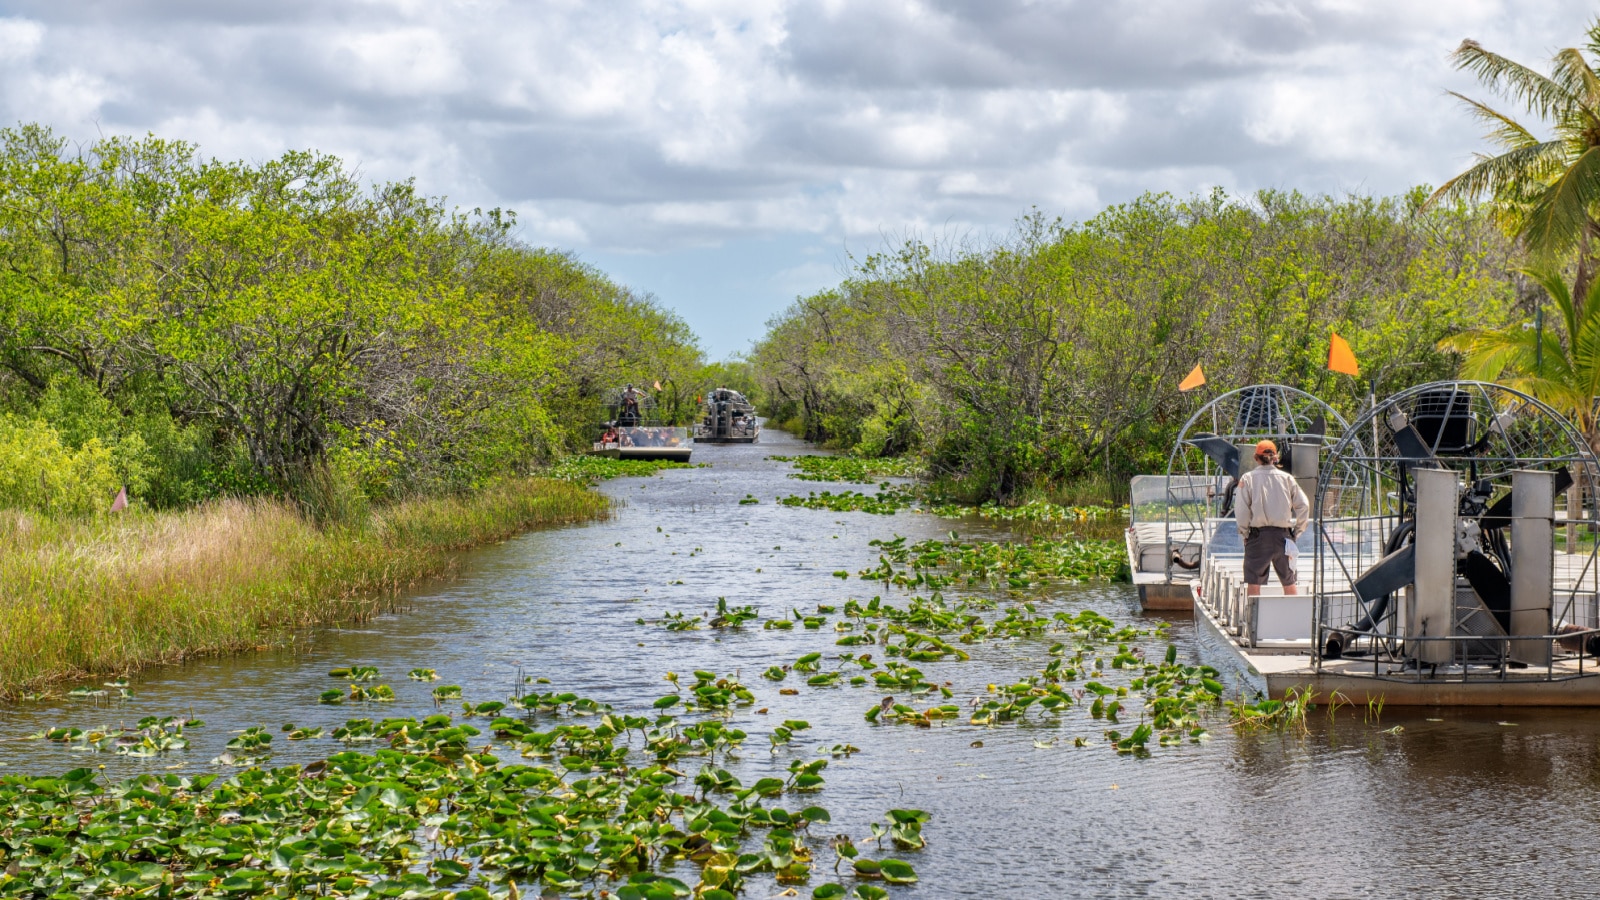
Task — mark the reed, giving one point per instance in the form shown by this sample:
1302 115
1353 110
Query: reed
92 597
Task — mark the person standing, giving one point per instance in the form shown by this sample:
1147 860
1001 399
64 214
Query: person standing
1270 509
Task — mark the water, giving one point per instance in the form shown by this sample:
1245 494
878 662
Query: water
1461 806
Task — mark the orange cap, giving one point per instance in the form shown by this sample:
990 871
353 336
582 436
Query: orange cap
1265 447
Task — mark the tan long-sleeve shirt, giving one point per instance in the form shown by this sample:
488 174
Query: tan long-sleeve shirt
1267 496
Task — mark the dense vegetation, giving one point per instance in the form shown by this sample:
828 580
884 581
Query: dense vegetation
1048 362
193 328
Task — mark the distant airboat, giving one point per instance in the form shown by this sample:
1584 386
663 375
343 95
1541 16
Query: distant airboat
634 431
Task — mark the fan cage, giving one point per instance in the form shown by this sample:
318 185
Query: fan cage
1186 504
1485 432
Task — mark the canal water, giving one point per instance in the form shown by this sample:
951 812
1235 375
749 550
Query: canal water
1436 803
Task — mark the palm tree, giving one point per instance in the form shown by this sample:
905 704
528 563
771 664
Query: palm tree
1545 192
1560 364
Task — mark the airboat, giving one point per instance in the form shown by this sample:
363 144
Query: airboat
1178 519
1452 561
635 431
727 418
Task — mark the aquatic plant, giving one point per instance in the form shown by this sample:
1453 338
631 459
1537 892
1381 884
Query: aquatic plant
432 815
1020 565
886 502
852 469
1265 713
584 468
150 737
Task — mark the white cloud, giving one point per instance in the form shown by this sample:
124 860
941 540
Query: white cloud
19 39
639 126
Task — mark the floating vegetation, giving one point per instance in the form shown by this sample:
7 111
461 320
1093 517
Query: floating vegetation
724 616
851 469
586 468
356 673
586 808
378 693
422 675
1264 713
251 747
749 500
1032 511
888 501
1095 522
150 737
732 616
934 563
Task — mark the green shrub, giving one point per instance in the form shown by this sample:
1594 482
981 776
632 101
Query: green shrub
39 472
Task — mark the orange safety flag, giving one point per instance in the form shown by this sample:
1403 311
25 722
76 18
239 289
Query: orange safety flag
1341 358
1193 380
121 502
658 385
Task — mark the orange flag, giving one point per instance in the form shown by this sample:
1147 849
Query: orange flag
1193 380
1341 358
120 502
658 385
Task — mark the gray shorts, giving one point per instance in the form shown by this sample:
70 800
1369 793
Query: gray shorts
1263 549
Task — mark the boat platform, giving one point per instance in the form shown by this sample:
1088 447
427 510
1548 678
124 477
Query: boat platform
1268 638
1162 587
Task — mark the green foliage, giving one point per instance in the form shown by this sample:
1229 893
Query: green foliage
232 328
1557 361
1051 358
39 472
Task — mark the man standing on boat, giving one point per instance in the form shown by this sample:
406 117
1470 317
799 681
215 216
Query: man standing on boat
1271 510
630 404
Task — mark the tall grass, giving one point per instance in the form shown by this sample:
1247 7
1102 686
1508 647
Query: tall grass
108 595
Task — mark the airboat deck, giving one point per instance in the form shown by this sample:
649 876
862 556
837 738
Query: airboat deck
1149 549
618 451
1432 570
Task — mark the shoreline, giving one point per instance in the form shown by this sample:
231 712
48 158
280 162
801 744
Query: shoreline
92 598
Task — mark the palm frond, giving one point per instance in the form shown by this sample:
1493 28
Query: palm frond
1486 355
1503 130
1576 77
1555 287
1541 95
1561 211
1509 170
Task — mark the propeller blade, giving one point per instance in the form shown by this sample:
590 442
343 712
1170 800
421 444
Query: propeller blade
1498 515
1315 432
1408 441
1224 454
1492 585
1387 575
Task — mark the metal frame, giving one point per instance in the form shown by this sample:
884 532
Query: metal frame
1363 495
1245 415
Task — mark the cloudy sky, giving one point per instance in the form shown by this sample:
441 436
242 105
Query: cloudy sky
727 155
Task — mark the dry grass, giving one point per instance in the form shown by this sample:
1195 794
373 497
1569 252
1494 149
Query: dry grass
110 595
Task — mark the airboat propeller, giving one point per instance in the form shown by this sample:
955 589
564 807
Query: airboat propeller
1454 511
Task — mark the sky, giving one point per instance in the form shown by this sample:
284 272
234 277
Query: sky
730 155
